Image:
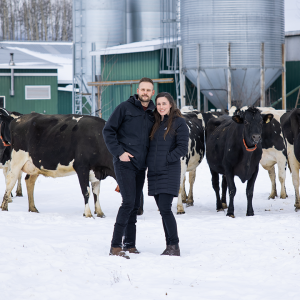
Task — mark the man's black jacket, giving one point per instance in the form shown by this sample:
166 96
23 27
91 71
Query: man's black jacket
128 129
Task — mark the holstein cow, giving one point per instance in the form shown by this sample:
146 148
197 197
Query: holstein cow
274 149
196 123
57 146
234 149
290 124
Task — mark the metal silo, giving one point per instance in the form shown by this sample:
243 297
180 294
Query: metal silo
102 22
144 19
242 36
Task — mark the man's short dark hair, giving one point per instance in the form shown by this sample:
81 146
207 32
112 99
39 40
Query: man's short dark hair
146 79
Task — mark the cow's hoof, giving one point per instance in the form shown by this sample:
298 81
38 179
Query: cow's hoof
271 197
224 205
9 201
88 216
220 209
183 200
296 209
101 215
33 210
19 194
230 215
180 212
188 204
283 196
4 208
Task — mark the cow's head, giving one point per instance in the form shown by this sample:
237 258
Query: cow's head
5 120
253 120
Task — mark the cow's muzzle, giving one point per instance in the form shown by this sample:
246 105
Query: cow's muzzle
256 138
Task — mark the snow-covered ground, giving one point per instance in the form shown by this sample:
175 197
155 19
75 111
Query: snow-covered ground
59 254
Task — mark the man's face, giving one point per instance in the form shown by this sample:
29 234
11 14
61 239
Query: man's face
145 91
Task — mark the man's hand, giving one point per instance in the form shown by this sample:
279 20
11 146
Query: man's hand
125 156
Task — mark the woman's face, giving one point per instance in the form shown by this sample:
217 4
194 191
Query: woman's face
163 106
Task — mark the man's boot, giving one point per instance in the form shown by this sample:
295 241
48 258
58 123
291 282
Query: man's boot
132 250
172 250
118 251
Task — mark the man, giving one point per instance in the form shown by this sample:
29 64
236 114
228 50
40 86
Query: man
126 134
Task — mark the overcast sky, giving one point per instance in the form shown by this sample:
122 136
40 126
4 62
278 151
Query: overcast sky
292 15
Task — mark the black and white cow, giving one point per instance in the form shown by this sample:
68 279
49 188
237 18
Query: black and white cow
234 149
290 123
196 123
57 146
274 149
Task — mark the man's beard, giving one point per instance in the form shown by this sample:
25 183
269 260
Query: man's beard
141 99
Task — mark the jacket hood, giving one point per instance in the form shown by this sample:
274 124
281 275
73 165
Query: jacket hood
135 100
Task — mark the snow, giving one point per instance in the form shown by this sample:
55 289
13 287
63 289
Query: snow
59 254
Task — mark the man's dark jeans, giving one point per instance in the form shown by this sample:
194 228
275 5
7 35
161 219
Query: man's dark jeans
131 182
164 203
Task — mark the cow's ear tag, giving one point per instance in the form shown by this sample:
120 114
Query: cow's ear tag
268 121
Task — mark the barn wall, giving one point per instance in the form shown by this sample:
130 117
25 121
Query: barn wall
18 102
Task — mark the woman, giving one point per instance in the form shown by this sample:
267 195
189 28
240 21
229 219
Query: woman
168 143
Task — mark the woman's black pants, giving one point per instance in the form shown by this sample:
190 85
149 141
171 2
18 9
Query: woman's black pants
164 203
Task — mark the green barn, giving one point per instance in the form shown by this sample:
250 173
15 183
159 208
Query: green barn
33 79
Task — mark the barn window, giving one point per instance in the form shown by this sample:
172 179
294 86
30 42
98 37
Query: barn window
37 92
2 101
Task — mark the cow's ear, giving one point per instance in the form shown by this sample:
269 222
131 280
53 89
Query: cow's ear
267 118
238 119
226 111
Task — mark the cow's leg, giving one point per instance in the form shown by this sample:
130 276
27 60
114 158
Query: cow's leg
224 191
5 172
30 182
96 192
294 166
216 187
232 192
272 176
180 209
183 191
19 186
249 193
281 175
83 176
11 179
192 177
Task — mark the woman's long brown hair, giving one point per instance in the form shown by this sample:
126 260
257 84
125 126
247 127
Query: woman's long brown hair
174 112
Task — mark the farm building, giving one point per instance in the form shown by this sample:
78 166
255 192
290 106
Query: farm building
36 76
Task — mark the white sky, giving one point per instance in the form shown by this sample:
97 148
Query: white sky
292 15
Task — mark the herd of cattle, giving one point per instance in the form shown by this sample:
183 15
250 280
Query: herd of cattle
236 142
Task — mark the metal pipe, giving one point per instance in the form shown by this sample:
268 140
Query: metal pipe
262 75
12 63
198 79
93 58
182 79
229 75
283 82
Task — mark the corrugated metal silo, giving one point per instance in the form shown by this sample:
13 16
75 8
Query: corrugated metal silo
100 22
245 25
143 20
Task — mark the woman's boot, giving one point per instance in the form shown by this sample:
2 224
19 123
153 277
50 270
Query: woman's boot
172 250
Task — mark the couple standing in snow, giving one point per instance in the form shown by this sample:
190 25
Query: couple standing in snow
141 135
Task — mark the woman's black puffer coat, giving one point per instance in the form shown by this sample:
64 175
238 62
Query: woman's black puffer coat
163 160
